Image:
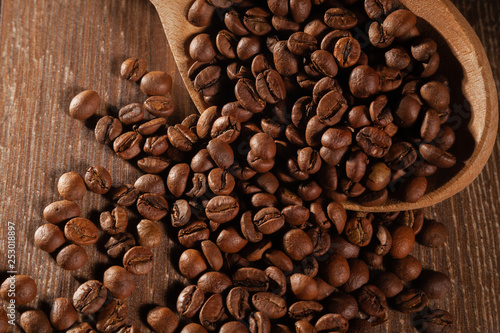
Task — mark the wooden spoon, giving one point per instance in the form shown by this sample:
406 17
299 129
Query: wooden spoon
439 19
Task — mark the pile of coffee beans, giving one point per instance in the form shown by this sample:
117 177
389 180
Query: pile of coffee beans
347 88
254 184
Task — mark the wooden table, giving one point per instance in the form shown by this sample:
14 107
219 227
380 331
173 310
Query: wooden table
52 49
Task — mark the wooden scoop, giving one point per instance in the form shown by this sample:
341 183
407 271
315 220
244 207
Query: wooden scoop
459 46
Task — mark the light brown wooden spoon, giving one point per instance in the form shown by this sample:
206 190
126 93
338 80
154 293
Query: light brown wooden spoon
458 40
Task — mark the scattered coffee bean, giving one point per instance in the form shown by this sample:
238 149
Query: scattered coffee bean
72 257
24 286
84 105
71 186
49 237
119 282
162 319
35 321
62 314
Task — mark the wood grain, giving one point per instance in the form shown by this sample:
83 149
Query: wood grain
52 49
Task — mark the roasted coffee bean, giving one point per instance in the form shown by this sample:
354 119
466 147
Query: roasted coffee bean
131 114
373 141
193 233
347 52
35 321
125 195
323 63
252 279
193 327
82 328
212 312
237 302
152 206
127 145
302 44
436 156
208 81
359 230
435 285
150 183
331 322
177 179
358 277
415 189
128 329
340 18
407 268
138 260
343 304
221 153
433 234
304 310
226 128
212 254
335 271
112 316
270 87
72 257
197 186
399 22
119 282
81 231
436 95
377 10
149 234
371 301
297 244
24 286
248 47
201 49
279 259
300 10
268 220
259 322
62 314
162 319
284 24
249 229
234 24
159 106
107 129
118 244
206 121
71 186
400 156
295 215
411 301
304 326
403 240
181 213
133 69
364 81
226 44
156 83
190 301
49 237
84 105
181 137
263 146
331 108
89 297
114 222
433 321
256 20
272 305
222 208
378 176
230 241
397 58
285 62
277 280
303 287
378 36
98 179
249 97
388 283
214 282
233 326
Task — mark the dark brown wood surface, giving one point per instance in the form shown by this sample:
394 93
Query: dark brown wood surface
52 49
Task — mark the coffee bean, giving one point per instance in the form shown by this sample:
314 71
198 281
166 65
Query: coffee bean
343 304
435 321
230 241
435 285
256 21
234 24
25 287
156 83
373 141
119 282
347 51
112 316
251 279
331 322
212 312
378 36
397 58
304 310
377 10
248 47
193 233
403 240
114 222
131 114
272 305
372 301
284 24
72 257
133 69
81 231
71 186
152 206
233 326
268 220
191 263
221 3
107 129
300 10
358 230
364 81
303 287
433 234
194 328
222 208
162 319
118 244
226 128
149 234
390 78
331 108
358 277
259 322
190 301
340 18
82 328
49 237
159 106
335 271
407 268
62 314
411 301
89 297
415 189
436 156
138 260
221 153
285 62
84 105
35 321
125 195
60 211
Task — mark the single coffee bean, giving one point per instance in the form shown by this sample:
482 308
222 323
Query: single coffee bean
268 220
435 285
226 44
347 52
72 257
81 231
237 302
125 195
107 129
181 137
331 322
364 81
359 230
372 301
270 304
24 286
212 312
432 321
193 233
340 18
133 69
221 3
250 98
35 321
152 206
131 114
403 240
190 301
316 28
71 186
302 44
191 263
156 83
49 237
300 10
259 322
233 326
285 62
226 128
397 58
114 222
399 22
303 287
149 183
331 108
335 271
285 24
407 268
436 95
436 156
112 316
304 326
234 24
256 20
193 327
400 156
304 310
359 275
297 244
84 105
208 81
221 153
373 141
82 328
149 234
62 314
119 282
98 179
60 211
422 49
411 301
270 87
212 254
263 146
277 280
138 260
388 283
159 106
162 319
118 244
433 234
230 241
252 279
247 47
343 304
222 208
181 213
415 189
89 297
